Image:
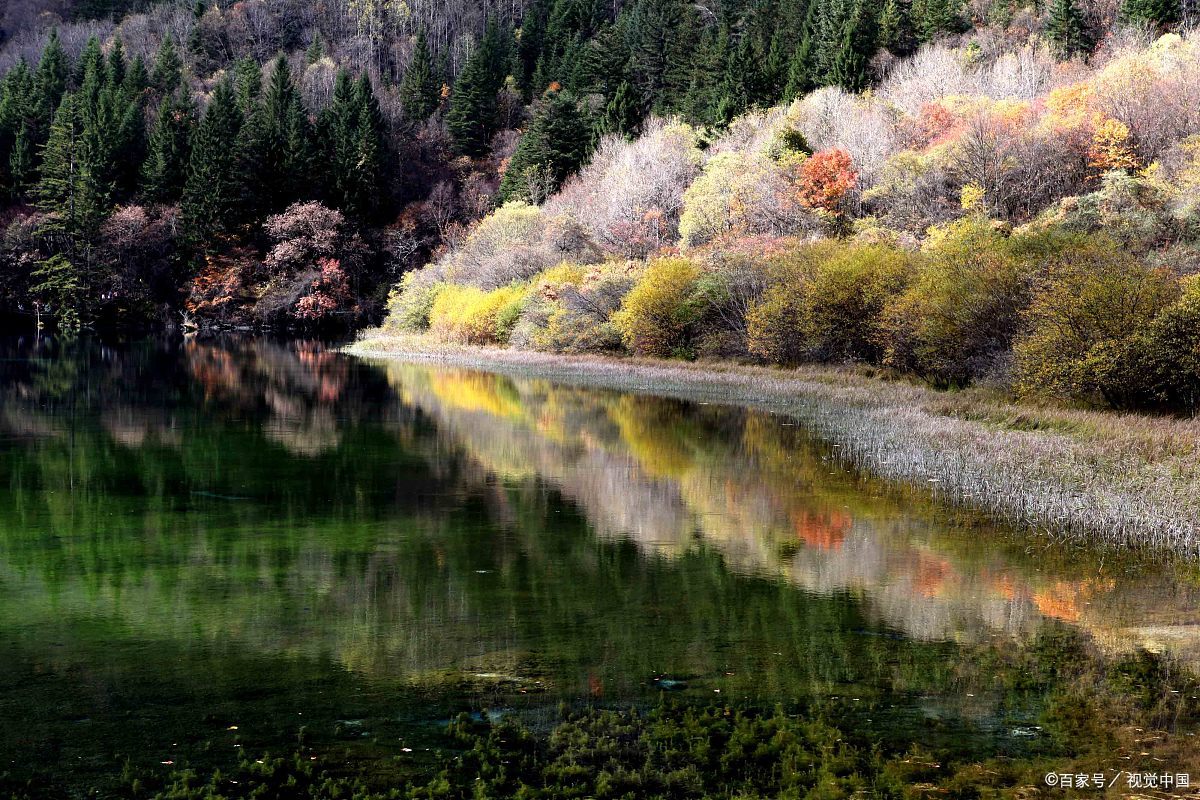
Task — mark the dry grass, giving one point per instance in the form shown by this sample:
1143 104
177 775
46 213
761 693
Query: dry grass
1116 479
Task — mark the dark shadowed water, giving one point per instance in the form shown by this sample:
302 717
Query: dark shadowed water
210 548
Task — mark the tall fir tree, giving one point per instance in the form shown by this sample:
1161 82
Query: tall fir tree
420 87
803 69
16 116
472 115
165 168
1066 29
662 36
167 73
50 82
848 69
365 186
1157 14
556 144
623 113
896 33
212 193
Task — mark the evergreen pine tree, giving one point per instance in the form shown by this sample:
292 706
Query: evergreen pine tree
50 81
420 86
556 144
802 70
623 113
365 179
90 60
167 73
848 68
137 80
338 129
212 192
663 35
316 49
165 169
16 111
1065 27
937 17
116 66
471 117
247 76
1157 14
274 145
895 28
69 187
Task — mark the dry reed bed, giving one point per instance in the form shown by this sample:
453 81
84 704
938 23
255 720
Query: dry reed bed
1114 479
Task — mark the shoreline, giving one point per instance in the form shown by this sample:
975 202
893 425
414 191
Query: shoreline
1101 477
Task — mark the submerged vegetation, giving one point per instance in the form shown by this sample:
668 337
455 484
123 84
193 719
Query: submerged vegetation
1113 718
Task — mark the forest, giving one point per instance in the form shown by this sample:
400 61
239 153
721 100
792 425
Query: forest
968 192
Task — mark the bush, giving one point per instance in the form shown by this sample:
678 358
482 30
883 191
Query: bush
845 299
957 321
1087 331
410 303
825 302
656 314
470 315
1172 351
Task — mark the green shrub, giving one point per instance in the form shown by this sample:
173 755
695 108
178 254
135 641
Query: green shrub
825 301
844 300
410 303
1171 351
962 311
1087 331
656 314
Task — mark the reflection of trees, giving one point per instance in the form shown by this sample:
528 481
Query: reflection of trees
286 499
667 474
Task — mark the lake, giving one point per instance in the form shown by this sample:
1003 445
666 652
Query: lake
210 548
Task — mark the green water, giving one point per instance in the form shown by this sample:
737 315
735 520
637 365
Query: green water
216 548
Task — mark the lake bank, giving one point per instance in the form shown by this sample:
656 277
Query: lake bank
1113 479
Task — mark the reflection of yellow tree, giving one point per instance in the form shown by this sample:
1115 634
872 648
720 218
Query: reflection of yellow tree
659 472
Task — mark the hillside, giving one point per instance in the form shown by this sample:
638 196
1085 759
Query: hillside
967 193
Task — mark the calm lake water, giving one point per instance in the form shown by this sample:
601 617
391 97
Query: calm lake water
210 548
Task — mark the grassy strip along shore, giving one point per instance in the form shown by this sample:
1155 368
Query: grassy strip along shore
1112 478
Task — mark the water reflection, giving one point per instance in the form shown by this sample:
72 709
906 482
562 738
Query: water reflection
201 531
673 476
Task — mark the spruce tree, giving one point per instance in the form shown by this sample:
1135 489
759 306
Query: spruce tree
16 112
338 132
69 187
623 113
167 73
247 76
316 50
802 70
1157 14
937 17
365 187
165 169
1065 27
848 68
556 144
471 117
420 88
50 81
663 34
212 192
895 28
